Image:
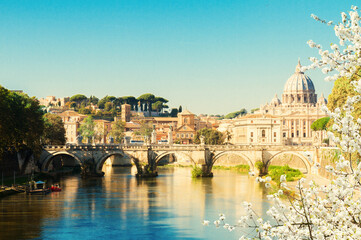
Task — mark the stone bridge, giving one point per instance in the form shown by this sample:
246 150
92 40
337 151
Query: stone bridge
91 158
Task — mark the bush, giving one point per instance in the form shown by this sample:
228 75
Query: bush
259 165
275 173
196 172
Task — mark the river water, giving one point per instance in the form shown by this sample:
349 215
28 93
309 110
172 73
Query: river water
119 206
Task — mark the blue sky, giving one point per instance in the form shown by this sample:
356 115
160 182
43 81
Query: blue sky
209 56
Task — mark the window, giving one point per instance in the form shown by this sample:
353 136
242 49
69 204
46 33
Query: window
185 120
251 140
304 134
298 133
191 135
284 134
187 135
251 121
292 123
274 140
284 122
251 134
274 121
292 135
274 134
184 128
177 135
182 135
263 133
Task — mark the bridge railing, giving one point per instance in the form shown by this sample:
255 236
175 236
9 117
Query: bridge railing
179 147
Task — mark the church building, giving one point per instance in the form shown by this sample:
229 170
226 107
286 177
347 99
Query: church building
286 122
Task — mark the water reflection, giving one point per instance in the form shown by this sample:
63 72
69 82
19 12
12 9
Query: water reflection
122 206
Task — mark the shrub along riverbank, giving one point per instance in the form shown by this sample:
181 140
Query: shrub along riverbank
275 173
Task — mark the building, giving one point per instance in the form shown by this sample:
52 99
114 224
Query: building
186 128
283 122
52 101
102 129
71 120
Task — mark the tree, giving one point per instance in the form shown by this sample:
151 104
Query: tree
132 101
117 131
180 109
254 109
86 129
211 136
104 100
320 124
54 131
147 99
145 130
93 99
174 112
241 112
78 99
331 211
21 127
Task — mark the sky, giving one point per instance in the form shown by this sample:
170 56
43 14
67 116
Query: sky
211 57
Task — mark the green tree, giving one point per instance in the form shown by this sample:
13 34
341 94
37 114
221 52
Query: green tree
241 112
108 106
79 99
211 136
94 100
148 100
117 131
174 112
180 109
320 124
342 89
21 124
254 109
86 129
104 100
132 101
54 131
145 129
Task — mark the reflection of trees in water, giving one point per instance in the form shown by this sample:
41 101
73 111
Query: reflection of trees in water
22 216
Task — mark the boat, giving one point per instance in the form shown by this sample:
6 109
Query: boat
38 187
55 188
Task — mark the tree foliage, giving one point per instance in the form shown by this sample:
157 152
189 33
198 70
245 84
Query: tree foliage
211 136
320 124
86 129
145 129
241 112
54 131
117 131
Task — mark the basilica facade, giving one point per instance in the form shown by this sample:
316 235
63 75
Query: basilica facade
286 122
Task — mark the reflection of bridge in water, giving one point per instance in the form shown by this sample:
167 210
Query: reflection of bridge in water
147 157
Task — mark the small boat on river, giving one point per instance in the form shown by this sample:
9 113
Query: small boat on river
38 187
55 188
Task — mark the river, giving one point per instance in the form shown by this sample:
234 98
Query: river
119 206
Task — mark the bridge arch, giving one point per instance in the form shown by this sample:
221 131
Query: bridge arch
48 159
176 153
240 154
301 156
102 159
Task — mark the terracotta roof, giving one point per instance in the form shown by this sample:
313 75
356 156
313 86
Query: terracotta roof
71 113
166 119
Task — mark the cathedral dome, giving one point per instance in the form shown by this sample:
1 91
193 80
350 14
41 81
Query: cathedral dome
275 101
299 82
322 100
